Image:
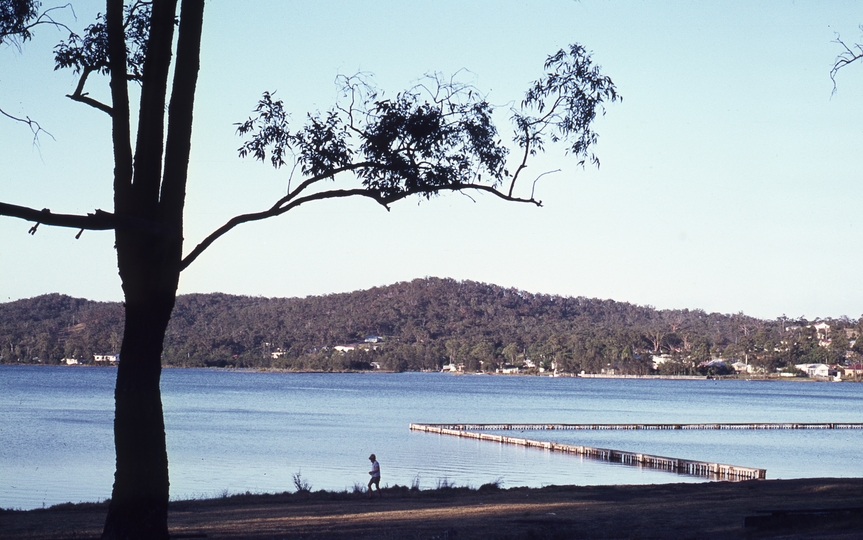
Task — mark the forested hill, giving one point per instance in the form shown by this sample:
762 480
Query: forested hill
422 324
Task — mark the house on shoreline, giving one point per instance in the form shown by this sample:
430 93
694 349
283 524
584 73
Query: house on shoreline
854 371
814 370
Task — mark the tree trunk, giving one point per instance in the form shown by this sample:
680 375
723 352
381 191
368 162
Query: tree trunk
151 195
149 268
139 502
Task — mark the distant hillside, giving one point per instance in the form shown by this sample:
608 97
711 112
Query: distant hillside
421 324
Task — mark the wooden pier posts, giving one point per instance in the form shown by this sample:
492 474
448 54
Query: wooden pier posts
683 466
726 425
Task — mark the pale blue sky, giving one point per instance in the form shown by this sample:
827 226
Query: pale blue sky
730 178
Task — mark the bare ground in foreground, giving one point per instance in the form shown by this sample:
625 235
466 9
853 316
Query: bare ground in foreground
676 511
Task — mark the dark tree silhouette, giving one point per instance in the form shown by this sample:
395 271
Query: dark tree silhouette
425 141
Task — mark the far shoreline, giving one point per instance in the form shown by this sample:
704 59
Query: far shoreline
764 378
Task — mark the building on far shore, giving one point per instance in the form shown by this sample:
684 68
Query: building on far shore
112 358
814 370
853 371
741 367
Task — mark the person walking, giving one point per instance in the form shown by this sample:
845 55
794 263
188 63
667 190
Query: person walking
375 473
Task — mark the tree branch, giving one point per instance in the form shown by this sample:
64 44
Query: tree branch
307 183
32 124
280 208
86 100
47 18
851 55
535 180
80 96
97 221
523 164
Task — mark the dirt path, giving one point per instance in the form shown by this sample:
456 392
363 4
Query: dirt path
675 511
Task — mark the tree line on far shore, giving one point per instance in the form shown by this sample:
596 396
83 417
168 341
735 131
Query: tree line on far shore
428 323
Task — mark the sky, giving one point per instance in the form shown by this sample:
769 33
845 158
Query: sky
730 177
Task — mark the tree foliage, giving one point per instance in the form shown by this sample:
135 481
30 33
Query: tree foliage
16 19
88 53
439 134
436 137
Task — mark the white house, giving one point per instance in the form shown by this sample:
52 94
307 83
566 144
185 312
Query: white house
814 370
741 367
822 331
113 358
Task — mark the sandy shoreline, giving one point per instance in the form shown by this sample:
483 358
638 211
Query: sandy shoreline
708 510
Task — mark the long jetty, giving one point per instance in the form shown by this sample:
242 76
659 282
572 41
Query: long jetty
723 425
681 466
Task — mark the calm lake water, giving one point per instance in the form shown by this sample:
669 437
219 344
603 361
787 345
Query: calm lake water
232 432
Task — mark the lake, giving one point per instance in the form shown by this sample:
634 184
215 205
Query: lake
239 431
